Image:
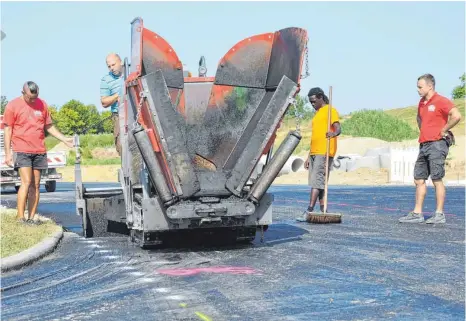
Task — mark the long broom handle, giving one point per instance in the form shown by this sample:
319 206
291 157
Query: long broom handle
328 147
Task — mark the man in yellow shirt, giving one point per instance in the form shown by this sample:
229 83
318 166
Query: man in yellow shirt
317 155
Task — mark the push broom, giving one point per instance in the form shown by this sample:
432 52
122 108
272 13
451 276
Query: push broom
324 218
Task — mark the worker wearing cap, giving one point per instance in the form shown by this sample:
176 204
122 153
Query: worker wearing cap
25 119
436 116
111 93
315 163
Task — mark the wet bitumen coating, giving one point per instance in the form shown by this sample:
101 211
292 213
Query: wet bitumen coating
369 267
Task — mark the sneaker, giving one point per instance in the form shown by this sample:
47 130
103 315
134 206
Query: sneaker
412 218
437 218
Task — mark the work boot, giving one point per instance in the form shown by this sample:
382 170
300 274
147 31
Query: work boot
437 218
412 218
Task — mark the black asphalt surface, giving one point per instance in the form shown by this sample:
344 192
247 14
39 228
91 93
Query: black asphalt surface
369 267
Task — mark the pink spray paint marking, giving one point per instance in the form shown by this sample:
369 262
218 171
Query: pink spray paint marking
213 269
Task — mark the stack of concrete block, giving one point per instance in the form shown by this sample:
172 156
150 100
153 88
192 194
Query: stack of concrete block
374 158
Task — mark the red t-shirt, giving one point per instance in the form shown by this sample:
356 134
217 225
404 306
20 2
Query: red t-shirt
27 123
434 116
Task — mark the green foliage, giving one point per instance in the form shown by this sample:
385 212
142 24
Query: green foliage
4 103
74 117
302 107
377 124
106 122
93 141
50 142
458 92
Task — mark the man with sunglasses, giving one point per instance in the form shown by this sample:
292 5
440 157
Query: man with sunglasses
25 120
315 163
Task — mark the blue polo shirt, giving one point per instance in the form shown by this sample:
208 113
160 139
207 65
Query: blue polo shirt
110 85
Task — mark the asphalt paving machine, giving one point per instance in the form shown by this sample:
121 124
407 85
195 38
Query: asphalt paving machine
191 144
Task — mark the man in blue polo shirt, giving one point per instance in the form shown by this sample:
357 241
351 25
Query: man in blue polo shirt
111 93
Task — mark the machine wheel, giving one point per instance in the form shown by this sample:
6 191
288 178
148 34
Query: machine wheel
50 186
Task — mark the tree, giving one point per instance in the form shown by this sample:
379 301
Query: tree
458 92
75 117
107 124
4 103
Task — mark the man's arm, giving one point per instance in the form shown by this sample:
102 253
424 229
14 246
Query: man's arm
7 132
52 130
337 127
454 117
418 118
9 121
335 118
106 98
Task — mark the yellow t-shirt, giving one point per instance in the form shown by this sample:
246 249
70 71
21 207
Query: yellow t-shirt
319 130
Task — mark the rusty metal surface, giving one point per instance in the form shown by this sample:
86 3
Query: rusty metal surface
287 55
158 54
255 142
196 100
224 122
172 131
246 64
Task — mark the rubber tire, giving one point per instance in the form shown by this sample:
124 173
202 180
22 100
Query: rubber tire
50 186
17 188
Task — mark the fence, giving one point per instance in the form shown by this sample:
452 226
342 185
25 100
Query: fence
402 162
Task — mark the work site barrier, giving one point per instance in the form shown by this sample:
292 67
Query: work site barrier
402 161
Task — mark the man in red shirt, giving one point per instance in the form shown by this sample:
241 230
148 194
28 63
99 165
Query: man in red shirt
25 119
436 116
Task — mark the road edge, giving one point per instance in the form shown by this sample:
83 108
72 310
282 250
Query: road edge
32 254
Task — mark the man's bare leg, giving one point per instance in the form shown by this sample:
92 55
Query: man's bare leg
25 174
34 194
321 199
421 191
314 196
416 215
440 194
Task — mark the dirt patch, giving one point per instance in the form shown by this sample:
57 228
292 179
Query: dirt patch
104 153
92 173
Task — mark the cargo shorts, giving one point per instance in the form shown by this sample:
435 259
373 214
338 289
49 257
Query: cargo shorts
116 132
431 160
35 161
316 177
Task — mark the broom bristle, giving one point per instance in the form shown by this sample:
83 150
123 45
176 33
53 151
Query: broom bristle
324 218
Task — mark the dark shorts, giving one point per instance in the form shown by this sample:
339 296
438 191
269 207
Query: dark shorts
316 177
36 161
431 160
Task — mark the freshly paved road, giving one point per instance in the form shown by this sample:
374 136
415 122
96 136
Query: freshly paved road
369 267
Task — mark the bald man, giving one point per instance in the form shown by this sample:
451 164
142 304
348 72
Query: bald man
25 119
111 89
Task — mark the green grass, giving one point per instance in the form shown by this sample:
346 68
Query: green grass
50 142
378 124
408 114
16 237
87 144
85 141
87 159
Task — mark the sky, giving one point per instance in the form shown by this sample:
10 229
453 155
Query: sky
371 53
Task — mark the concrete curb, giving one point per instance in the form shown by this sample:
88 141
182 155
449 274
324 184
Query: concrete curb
32 254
